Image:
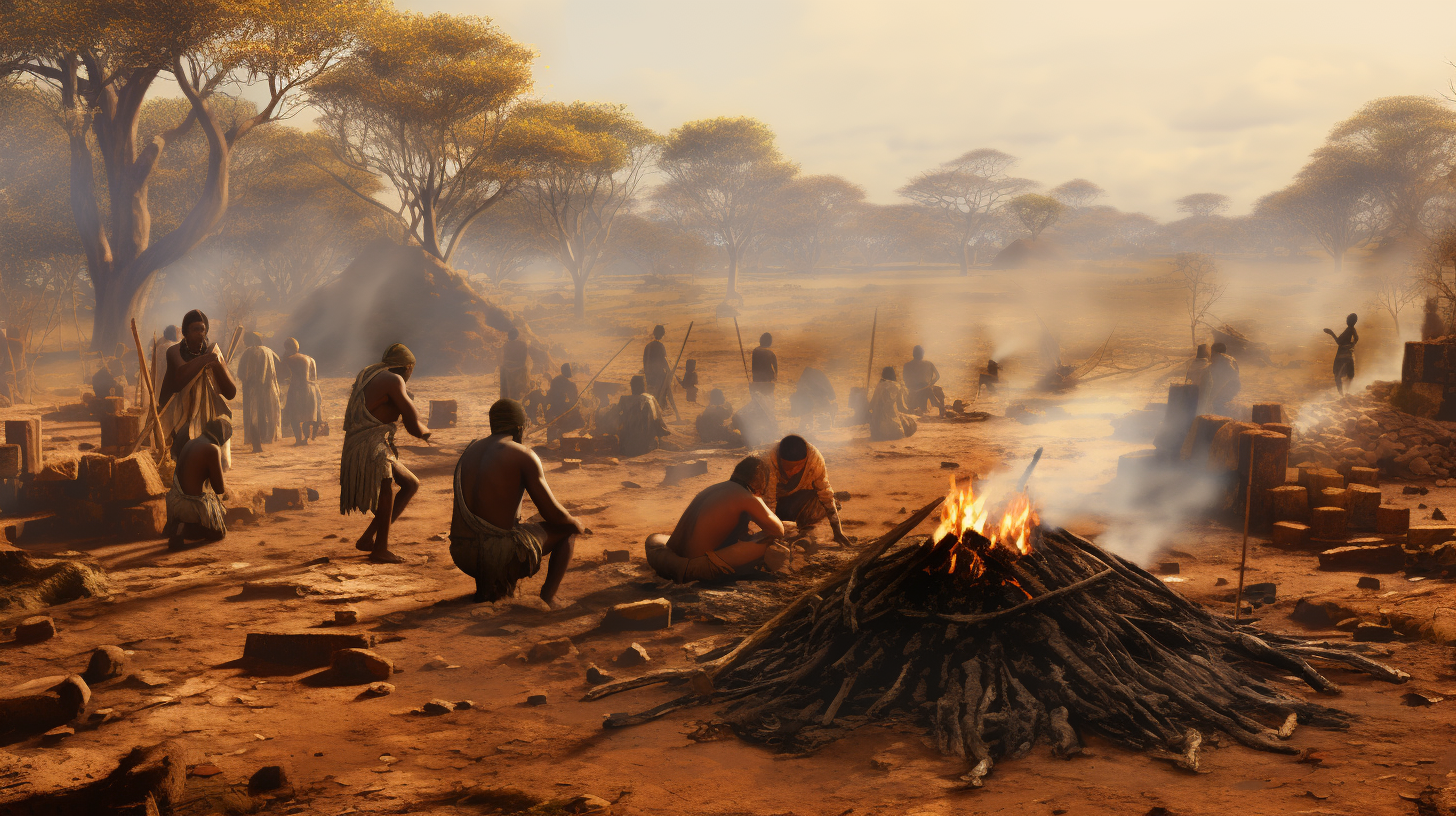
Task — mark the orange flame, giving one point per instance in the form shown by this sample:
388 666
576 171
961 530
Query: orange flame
963 510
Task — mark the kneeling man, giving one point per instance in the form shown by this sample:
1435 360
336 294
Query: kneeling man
487 540
192 511
711 540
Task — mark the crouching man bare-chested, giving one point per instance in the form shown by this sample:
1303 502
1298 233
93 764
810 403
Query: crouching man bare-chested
369 467
488 542
194 513
712 539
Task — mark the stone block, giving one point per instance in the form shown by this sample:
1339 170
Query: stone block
106 662
360 666
1391 520
26 434
286 498
305 650
35 629
142 521
1387 557
639 615
1426 536
10 461
135 479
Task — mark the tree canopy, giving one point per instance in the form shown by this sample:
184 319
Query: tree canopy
1035 212
966 194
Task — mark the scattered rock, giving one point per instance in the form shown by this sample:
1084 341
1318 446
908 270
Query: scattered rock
595 676
639 615
464 705
632 485
307 650
1410 490
548 650
1221 582
1316 614
1262 593
313 495
106 662
361 666
586 803
1420 699
633 655
58 701
437 663
536 698
146 680
1368 582
950 465
1348 624
438 537
1437 515
434 708
344 617
1387 557
1430 535
380 689
55 735
35 629
204 770
1374 633
618 556
267 778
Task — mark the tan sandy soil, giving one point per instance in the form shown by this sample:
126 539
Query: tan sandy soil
185 614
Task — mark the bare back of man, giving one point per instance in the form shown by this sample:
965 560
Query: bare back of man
301 369
385 397
717 514
495 473
198 464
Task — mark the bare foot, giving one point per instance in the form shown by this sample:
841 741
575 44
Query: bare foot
385 557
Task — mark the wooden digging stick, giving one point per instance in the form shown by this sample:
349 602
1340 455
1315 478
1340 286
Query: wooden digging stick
233 345
741 355
870 367
145 375
671 375
1244 558
599 373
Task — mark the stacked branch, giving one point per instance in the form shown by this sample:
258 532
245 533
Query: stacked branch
1066 639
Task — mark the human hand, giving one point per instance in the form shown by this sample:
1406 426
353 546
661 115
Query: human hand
840 538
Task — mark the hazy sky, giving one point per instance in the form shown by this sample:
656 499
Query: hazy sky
1152 100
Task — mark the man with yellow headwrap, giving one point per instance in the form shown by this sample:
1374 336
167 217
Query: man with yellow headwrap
196 388
262 409
192 510
488 542
370 466
304 411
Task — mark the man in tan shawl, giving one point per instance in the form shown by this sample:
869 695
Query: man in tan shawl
262 408
794 481
370 467
889 416
712 540
561 406
488 542
640 424
304 411
196 388
192 510
515 367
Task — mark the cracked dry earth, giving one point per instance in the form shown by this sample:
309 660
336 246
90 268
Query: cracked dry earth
184 617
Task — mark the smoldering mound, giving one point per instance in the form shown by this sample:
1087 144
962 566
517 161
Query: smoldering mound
402 294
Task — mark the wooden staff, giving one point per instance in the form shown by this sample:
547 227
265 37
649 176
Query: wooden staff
145 375
1244 558
870 370
667 384
599 373
741 355
14 384
233 345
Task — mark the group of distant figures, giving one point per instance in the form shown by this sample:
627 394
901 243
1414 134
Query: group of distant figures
1217 373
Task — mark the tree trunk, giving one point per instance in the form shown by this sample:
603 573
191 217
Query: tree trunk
1339 259
732 274
580 295
964 259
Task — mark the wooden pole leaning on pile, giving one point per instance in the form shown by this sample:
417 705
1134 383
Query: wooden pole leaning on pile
599 373
718 667
227 359
870 366
145 375
741 355
1244 556
672 375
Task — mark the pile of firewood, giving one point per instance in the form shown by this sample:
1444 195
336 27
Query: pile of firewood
994 651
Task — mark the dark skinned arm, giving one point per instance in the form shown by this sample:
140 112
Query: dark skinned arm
407 412
546 504
214 471
759 513
183 373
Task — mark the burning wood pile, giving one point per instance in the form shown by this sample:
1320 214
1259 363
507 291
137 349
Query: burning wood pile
996 633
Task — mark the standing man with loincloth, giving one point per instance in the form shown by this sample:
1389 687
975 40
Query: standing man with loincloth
889 416
196 388
515 372
561 408
712 540
304 411
765 367
193 511
920 377
639 423
655 369
262 408
794 481
1345 353
488 542
370 466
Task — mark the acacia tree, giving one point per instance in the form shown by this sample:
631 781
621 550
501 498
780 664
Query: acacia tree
966 195
503 241
425 101
1333 200
1407 147
593 158
1035 212
657 247
721 177
103 58
809 214
1201 288
1077 193
1203 205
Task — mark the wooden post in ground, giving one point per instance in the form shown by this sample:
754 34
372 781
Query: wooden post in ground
145 375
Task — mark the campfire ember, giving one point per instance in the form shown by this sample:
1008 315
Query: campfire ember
999 634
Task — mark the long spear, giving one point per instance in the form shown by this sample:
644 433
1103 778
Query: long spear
145 375
741 355
599 373
870 369
667 384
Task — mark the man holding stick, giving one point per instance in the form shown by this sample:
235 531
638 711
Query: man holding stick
655 369
196 387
